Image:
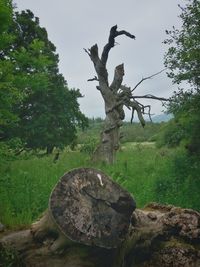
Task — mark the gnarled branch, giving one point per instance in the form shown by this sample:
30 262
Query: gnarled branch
136 106
93 79
111 42
131 103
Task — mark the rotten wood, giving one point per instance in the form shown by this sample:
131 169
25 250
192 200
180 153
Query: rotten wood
87 207
158 235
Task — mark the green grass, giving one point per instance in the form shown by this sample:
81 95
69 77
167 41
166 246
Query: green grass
137 168
148 173
25 186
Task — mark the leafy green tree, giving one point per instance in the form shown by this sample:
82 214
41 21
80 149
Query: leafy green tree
183 57
183 61
5 16
47 111
8 93
171 134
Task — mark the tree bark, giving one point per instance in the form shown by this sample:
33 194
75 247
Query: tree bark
158 236
110 135
109 141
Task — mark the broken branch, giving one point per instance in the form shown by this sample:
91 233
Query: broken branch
118 77
93 79
87 51
111 42
146 78
151 97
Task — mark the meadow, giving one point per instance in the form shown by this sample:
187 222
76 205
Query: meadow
149 173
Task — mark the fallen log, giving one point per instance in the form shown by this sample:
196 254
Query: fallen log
92 221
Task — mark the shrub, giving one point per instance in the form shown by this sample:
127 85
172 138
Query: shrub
89 146
171 134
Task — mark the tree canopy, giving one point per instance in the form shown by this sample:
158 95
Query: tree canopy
183 57
8 92
42 111
183 62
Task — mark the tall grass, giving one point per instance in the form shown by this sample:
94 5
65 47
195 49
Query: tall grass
137 169
25 186
148 173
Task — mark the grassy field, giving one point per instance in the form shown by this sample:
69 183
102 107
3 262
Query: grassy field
148 173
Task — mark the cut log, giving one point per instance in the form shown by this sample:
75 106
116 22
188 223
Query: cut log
86 206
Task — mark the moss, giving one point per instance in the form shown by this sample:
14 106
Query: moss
9 257
176 243
153 206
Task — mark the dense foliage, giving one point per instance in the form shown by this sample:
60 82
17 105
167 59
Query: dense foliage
183 61
8 92
37 107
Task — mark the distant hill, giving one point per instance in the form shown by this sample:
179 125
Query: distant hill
157 118
162 117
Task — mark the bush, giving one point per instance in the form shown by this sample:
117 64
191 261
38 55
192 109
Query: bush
171 134
89 146
180 185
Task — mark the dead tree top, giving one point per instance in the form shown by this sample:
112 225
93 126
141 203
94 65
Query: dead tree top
90 208
111 42
124 94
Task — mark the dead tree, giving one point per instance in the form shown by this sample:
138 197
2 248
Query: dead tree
116 96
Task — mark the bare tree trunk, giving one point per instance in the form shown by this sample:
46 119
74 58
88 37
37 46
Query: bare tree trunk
110 135
109 142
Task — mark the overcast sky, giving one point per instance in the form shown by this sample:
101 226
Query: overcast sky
74 25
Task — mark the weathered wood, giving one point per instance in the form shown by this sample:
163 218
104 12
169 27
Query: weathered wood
116 96
165 233
158 236
87 207
110 135
91 222
25 251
